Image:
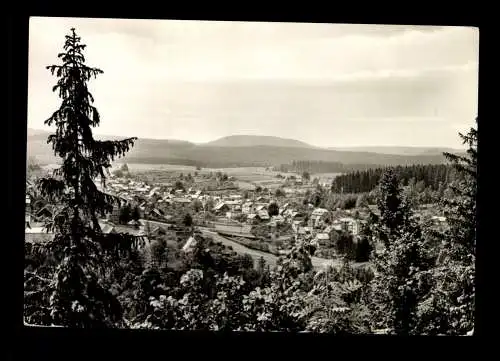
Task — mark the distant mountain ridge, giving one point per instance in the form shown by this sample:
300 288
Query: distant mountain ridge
257 140
243 151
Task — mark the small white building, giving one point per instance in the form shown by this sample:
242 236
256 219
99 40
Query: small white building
189 245
263 215
318 216
247 207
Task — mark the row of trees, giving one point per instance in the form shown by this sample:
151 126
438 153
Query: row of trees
423 283
437 177
317 166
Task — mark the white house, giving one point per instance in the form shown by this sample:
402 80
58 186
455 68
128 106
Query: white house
318 216
263 215
189 245
247 207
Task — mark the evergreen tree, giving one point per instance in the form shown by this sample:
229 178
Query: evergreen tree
187 220
179 185
449 308
460 209
394 211
273 209
77 299
136 214
125 214
400 264
363 249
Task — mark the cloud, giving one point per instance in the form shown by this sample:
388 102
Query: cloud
208 79
198 50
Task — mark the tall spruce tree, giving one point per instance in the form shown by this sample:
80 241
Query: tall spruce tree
450 306
400 264
78 300
460 209
394 208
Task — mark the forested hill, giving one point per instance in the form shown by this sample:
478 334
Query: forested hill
314 166
155 151
255 140
421 176
401 150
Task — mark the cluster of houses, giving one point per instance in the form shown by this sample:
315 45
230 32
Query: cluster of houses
153 201
231 206
320 223
157 202
131 190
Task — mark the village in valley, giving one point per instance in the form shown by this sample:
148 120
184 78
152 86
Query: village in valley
263 218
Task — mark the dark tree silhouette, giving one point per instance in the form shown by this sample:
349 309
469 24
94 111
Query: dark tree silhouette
187 220
125 214
136 214
403 261
460 209
363 250
394 212
76 227
273 209
453 303
179 185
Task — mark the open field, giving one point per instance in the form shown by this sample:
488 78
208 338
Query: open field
247 178
251 172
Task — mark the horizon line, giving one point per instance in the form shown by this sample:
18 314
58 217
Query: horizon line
272 136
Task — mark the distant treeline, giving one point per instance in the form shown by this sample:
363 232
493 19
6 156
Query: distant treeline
193 163
318 166
364 181
158 160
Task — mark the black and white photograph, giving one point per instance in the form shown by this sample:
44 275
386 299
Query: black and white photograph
251 176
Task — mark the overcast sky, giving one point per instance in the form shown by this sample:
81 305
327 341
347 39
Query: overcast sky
325 84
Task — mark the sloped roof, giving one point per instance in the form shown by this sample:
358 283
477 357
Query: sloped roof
220 205
328 229
107 228
322 236
157 211
190 244
319 211
46 208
